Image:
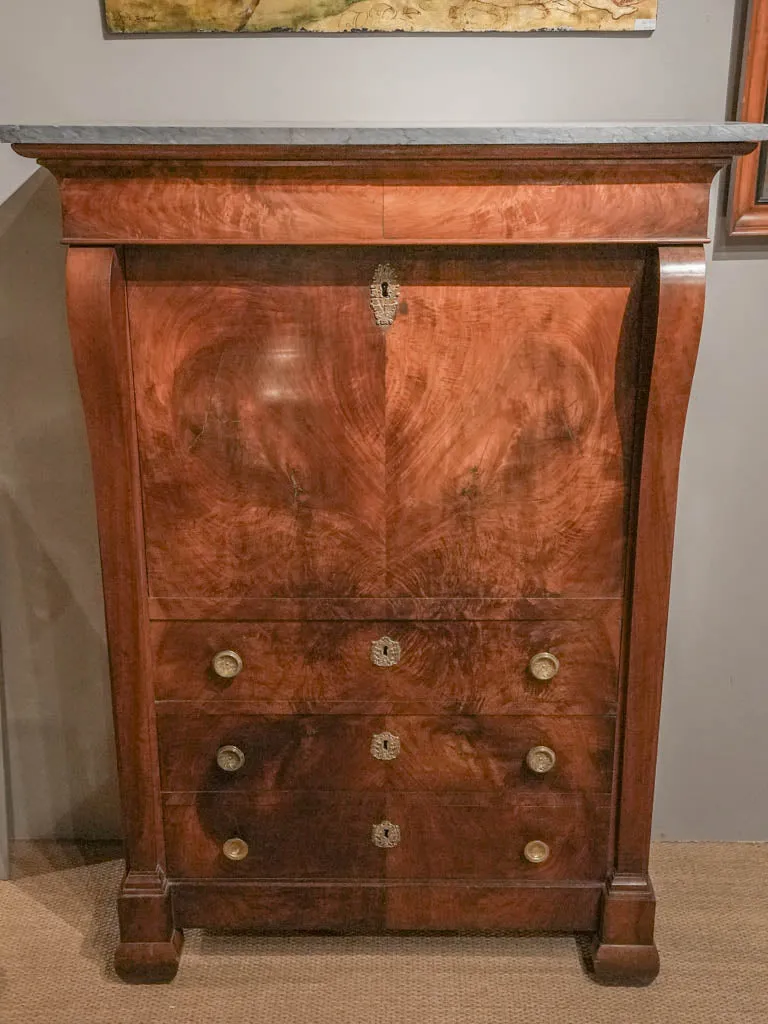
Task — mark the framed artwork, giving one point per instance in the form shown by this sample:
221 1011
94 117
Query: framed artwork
143 16
749 196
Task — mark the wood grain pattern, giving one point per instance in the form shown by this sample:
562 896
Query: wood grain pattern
396 609
370 907
270 214
471 907
282 907
328 835
680 309
455 667
507 456
150 945
100 342
625 161
449 753
215 194
290 448
749 216
261 423
279 214
588 211
625 951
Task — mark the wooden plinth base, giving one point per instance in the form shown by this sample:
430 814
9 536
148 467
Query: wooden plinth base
150 944
624 953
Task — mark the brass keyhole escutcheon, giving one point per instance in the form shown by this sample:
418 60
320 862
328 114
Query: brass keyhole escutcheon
385 295
544 666
385 746
385 652
385 835
227 664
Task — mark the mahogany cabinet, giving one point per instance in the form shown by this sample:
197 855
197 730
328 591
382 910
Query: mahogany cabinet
385 441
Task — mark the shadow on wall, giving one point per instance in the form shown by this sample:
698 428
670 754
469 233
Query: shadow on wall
59 728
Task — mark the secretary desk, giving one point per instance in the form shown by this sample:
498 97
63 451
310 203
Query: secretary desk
385 428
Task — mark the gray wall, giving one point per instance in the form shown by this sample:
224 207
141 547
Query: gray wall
56 67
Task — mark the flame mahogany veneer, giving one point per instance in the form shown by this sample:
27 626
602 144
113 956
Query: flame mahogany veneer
492 476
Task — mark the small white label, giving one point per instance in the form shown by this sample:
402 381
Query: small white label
645 24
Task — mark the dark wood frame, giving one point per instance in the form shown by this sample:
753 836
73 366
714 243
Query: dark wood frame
749 214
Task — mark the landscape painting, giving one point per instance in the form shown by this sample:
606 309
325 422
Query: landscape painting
245 16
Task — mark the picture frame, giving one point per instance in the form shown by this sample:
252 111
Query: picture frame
749 193
249 17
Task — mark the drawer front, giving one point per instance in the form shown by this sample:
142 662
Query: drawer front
456 667
377 753
335 835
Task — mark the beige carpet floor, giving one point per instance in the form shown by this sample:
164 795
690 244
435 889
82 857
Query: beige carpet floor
58 929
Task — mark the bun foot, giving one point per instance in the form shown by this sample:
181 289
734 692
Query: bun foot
624 965
149 962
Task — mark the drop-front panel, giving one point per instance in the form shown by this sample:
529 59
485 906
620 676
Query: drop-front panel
292 448
386 502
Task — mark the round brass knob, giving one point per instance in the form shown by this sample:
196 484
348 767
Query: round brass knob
227 664
541 760
230 758
544 666
536 852
235 849
385 835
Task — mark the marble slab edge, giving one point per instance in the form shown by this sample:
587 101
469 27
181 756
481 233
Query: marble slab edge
438 135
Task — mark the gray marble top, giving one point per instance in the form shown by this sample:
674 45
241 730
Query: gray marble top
387 135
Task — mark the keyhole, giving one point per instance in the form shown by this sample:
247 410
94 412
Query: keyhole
385 289
386 651
386 833
385 744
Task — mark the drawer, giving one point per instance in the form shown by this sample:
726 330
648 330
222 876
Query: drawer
353 835
377 753
478 667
